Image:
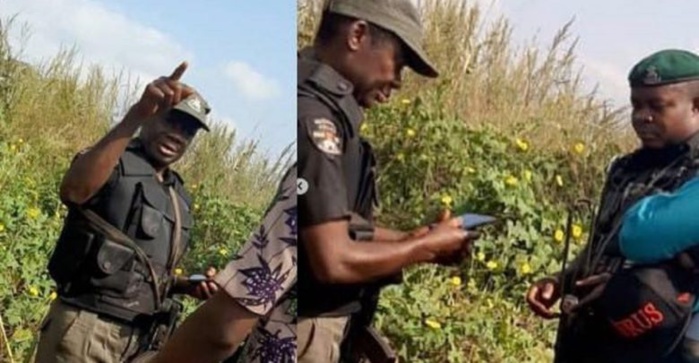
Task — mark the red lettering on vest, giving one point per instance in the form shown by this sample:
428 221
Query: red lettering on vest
655 316
641 321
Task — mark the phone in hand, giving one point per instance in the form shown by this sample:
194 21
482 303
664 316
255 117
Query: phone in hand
195 279
470 221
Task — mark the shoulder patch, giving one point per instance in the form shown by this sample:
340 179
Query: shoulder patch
324 135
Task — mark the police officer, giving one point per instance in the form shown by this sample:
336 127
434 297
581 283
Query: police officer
128 226
356 62
616 310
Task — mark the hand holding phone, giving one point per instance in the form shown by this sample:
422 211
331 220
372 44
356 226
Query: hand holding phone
201 286
197 278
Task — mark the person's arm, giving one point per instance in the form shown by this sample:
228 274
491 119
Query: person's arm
88 173
211 334
385 234
390 235
324 218
336 259
661 226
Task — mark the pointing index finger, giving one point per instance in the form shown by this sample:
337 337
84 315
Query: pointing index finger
179 71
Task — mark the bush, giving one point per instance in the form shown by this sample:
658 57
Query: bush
50 112
505 130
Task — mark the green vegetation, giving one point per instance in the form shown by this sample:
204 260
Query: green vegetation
50 112
505 130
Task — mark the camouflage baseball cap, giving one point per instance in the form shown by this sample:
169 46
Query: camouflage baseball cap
195 106
397 16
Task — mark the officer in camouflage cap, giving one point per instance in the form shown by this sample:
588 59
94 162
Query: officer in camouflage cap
128 226
621 307
356 62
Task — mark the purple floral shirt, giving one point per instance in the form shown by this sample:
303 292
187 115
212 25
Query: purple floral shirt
262 278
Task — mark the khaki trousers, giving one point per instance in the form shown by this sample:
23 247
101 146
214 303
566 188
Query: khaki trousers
69 334
319 339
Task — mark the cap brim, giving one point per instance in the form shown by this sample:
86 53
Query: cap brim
418 61
184 112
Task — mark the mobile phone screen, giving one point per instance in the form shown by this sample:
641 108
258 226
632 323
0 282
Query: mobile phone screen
472 220
197 278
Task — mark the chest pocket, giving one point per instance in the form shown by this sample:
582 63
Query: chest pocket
154 209
157 219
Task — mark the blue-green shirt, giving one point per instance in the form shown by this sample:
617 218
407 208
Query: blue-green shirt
659 227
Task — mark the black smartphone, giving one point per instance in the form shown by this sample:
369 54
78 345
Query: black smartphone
470 221
197 278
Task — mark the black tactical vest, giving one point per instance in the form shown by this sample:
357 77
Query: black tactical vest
103 276
632 177
321 86
629 179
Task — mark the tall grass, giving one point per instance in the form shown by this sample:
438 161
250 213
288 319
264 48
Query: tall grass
52 110
507 129
490 82
64 108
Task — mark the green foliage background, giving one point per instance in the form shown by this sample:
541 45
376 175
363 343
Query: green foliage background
49 112
506 129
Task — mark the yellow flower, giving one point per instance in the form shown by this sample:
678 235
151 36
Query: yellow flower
196 206
194 186
511 180
410 132
2 227
558 235
579 148
446 200
33 291
433 324
456 281
480 256
559 180
364 127
577 231
178 271
491 265
223 252
525 269
53 296
522 144
33 213
13 147
400 156
527 175
470 170
20 141
405 101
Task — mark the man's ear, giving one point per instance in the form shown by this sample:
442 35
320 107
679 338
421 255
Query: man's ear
357 35
695 106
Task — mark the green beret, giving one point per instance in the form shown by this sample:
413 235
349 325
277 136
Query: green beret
665 67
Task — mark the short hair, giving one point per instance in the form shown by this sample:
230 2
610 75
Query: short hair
332 25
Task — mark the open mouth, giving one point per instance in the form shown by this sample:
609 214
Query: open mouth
169 146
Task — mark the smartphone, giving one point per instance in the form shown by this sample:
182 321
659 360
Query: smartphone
197 278
470 221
